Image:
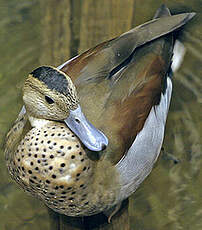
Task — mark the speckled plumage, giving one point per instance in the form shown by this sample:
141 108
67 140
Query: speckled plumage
52 165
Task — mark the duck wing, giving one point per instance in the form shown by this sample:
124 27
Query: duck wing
99 62
136 165
119 82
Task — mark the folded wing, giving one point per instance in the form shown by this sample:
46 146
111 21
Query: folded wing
120 81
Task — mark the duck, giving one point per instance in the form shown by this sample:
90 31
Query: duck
91 130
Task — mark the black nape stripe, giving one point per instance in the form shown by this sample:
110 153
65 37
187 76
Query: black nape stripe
52 78
121 65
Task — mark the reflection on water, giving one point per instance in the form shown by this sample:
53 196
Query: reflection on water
49 32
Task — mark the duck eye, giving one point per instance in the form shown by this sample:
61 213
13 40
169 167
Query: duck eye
49 100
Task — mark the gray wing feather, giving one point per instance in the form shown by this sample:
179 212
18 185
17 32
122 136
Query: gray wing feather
139 161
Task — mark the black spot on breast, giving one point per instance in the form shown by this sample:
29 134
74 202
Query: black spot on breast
52 78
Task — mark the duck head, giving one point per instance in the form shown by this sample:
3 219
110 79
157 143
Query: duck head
49 94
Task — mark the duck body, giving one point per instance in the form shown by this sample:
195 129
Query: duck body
125 92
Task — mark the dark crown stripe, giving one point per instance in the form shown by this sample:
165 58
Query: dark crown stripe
52 78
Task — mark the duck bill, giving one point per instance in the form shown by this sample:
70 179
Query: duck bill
91 137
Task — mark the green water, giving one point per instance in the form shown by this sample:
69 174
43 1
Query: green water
36 32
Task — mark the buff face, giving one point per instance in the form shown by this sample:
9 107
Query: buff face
49 94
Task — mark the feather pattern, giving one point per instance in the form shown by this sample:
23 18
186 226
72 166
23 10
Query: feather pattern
138 163
126 78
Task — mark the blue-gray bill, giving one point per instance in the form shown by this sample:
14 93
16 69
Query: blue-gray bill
91 137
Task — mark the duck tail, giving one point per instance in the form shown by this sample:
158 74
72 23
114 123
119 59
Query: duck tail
162 11
179 49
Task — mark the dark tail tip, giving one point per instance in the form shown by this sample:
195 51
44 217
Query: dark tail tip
162 11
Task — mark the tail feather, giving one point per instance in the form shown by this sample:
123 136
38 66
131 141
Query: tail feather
178 55
162 11
179 49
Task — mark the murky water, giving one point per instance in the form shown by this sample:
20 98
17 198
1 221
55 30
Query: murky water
36 32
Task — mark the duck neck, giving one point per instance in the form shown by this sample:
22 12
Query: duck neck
37 122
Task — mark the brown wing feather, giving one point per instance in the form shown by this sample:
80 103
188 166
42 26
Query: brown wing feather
124 115
97 63
75 67
119 104
120 108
